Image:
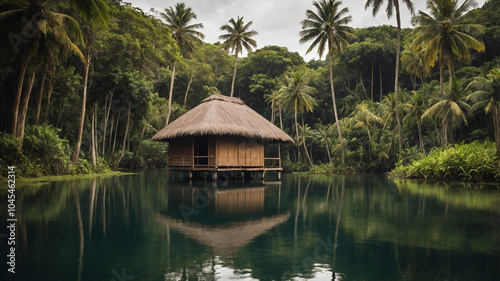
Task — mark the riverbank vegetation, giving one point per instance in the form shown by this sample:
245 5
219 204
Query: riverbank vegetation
83 88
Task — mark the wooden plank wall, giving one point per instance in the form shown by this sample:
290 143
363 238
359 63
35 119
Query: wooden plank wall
179 148
239 152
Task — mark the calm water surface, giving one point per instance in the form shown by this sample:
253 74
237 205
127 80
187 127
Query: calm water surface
142 227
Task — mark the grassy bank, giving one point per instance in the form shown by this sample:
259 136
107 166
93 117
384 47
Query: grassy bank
473 162
25 182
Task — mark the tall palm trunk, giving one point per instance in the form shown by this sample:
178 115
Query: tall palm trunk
40 96
335 109
190 81
125 136
304 142
234 72
171 92
297 133
21 120
496 127
17 99
78 144
420 139
396 78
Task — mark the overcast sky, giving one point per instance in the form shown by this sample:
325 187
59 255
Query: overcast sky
276 21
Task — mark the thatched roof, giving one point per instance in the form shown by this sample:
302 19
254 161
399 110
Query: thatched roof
220 115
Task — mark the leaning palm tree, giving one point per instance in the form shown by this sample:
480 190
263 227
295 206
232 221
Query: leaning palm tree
237 38
451 107
295 95
486 95
185 34
393 6
328 30
446 33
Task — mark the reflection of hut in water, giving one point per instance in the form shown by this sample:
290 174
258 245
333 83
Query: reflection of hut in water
250 206
225 239
227 203
221 134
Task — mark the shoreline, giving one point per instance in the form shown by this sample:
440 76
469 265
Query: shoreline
25 182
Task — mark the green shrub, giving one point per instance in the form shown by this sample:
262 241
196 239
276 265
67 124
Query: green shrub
11 153
331 169
44 147
476 162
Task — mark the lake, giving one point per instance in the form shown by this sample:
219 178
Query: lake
143 227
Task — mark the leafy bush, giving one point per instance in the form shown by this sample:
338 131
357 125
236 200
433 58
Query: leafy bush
148 155
44 147
475 162
10 153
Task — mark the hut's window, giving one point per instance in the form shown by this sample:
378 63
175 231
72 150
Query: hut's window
201 149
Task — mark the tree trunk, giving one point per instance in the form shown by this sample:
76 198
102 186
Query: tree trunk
171 92
187 90
328 152
92 140
234 72
40 96
76 154
420 139
281 121
304 141
116 131
496 127
396 78
21 120
52 72
335 109
371 88
106 118
17 99
363 85
380 71
445 134
297 134
125 136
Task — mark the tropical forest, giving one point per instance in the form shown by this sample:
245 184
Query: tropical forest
85 84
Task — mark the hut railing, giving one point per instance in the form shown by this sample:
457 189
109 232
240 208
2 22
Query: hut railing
273 162
192 161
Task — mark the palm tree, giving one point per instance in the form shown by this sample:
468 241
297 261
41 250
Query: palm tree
393 6
417 107
185 34
486 94
451 107
364 118
295 95
238 36
324 136
446 33
328 30
42 25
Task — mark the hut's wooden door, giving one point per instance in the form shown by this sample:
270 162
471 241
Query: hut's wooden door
201 150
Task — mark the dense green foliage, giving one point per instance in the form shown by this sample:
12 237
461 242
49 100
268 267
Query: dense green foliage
132 56
475 161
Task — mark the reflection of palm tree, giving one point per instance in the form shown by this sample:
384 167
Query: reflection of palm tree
451 107
237 37
80 230
328 30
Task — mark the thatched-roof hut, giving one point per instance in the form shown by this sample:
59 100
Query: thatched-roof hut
221 134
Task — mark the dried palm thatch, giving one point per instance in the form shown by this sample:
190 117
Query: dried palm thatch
220 115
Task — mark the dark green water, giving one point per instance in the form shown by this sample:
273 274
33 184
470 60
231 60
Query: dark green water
320 228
